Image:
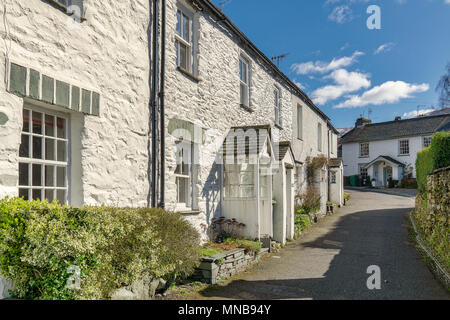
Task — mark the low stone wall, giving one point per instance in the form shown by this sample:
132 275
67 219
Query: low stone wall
226 264
432 215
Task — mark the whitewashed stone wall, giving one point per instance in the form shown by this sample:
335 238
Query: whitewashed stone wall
350 153
107 53
214 102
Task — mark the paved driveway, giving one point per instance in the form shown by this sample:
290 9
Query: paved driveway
331 261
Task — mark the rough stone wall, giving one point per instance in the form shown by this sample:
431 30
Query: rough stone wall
432 215
94 54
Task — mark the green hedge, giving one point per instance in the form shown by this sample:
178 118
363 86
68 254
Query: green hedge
440 149
112 247
432 158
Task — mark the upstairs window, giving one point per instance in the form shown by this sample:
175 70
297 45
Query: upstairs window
244 81
277 95
183 41
73 8
43 155
299 122
364 150
404 147
427 141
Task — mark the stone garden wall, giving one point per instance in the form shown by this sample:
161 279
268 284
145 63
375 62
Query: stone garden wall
432 215
224 265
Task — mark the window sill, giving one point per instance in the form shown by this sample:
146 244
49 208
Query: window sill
247 108
404 155
189 74
365 157
64 9
190 213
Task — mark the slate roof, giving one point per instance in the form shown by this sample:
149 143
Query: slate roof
398 129
335 163
246 140
387 158
283 148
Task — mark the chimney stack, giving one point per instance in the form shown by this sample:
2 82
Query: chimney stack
398 118
361 122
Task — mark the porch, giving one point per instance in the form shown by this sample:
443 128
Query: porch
383 169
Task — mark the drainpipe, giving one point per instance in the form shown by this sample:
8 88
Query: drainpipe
154 102
162 106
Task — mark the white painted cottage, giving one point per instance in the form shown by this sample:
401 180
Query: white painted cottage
98 107
382 151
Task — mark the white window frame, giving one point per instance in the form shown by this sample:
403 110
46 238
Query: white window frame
181 41
278 106
30 161
319 137
187 177
427 141
402 149
366 171
366 153
244 84
299 122
333 176
239 184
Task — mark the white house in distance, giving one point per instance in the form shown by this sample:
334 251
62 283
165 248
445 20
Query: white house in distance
383 150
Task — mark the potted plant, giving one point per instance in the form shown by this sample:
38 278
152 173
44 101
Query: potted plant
330 207
374 183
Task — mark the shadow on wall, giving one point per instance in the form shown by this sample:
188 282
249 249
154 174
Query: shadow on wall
211 193
363 239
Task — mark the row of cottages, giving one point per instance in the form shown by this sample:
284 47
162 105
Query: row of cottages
88 85
388 150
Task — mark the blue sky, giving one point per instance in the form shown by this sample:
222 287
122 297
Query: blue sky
343 66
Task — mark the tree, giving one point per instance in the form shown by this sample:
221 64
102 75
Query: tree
443 88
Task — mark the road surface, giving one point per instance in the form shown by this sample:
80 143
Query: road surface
332 259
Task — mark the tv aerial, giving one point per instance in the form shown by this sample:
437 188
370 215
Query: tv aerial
279 58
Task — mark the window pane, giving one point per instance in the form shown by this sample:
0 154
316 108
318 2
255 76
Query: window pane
24 170
183 56
186 28
26 121
37 175
62 151
50 149
37 194
61 124
247 192
179 23
182 187
49 176
24 193
24 150
61 177
61 196
49 126
37 122
244 95
37 147
50 195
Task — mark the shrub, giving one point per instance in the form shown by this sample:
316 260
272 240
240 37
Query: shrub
112 247
440 150
424 166
309 201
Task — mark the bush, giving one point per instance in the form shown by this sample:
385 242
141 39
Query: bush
440 150
112 247
309 201
424 166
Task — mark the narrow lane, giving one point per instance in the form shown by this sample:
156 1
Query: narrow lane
331 261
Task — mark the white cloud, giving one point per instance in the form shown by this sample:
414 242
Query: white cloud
346 82
300 85
388 92
447 1
414 113
384 48
323 67
341 14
